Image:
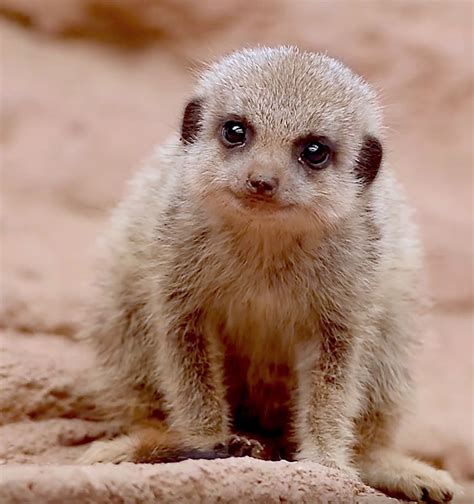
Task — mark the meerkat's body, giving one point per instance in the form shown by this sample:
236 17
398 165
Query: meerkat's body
251 286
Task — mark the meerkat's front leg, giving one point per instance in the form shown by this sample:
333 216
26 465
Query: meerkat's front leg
328 400
190 376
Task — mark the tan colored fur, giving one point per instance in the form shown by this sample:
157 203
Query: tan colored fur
204 303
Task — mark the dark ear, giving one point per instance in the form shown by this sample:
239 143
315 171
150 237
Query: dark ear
191 121
368 161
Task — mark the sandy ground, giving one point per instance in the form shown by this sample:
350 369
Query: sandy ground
84 99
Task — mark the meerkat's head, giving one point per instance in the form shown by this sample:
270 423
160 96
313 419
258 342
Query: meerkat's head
276 135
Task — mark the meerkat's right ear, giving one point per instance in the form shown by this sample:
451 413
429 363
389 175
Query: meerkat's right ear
191 124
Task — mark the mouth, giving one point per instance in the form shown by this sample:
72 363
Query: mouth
255 203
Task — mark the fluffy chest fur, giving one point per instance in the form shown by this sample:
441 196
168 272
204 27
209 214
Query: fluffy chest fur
264 294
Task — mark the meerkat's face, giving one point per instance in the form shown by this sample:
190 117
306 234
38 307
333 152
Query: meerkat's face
277 135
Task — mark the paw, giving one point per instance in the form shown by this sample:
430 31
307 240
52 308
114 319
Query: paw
401 476
427 485
115 451
240 446
338 463
350 471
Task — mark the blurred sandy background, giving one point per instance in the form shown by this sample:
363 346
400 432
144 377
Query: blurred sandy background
89 86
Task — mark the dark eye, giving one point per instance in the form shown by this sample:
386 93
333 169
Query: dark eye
315 154
234 133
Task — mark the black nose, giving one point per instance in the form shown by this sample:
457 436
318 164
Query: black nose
261 185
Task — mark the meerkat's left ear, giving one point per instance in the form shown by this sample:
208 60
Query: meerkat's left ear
191 124
369 160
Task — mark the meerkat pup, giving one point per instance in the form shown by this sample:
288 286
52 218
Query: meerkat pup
261 279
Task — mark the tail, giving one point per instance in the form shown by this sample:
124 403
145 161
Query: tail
157 446
151 445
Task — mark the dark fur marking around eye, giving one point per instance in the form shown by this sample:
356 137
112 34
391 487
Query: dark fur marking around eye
191 124
369 159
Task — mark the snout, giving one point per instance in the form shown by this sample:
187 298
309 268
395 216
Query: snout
262 185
